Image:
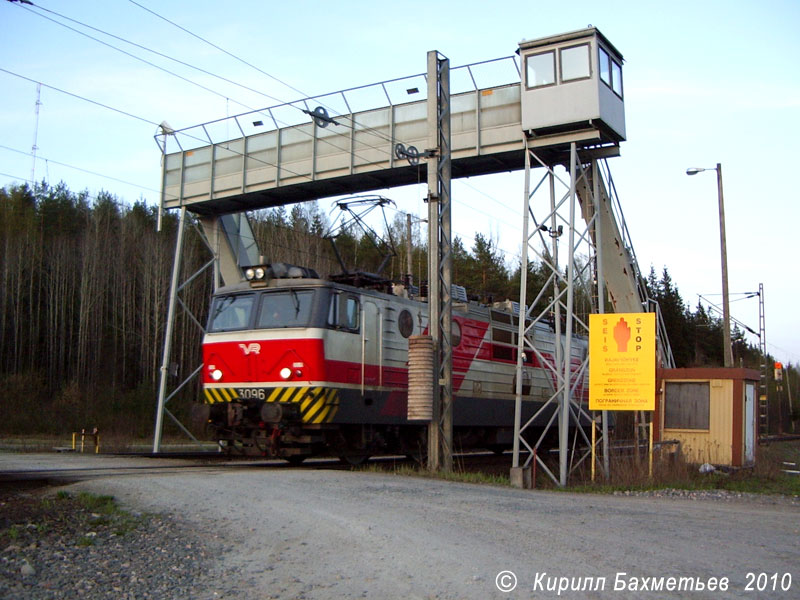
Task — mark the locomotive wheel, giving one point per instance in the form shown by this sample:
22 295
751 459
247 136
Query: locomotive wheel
295 459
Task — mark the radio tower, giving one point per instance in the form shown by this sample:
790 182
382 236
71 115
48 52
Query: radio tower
34 148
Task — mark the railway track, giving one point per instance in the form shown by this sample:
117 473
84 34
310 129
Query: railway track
59 471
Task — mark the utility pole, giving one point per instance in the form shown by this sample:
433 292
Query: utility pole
727 350
726 307
763 405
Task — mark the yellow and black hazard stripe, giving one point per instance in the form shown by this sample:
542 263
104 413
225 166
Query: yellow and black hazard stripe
214 395
317 404
320 405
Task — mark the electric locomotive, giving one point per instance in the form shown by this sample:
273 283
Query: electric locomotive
296 365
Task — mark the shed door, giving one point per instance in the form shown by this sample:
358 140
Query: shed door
749 422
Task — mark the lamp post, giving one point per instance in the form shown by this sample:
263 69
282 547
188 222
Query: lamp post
726 313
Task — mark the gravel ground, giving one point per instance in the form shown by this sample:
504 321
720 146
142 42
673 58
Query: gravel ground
303 534
718 495
77 546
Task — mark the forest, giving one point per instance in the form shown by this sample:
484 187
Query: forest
84 284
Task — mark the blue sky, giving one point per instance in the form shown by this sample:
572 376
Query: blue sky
705 82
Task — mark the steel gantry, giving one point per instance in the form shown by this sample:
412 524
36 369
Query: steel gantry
329 146
580 238
557 217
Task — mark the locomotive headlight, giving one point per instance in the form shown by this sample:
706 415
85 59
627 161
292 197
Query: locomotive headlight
216 374
259 273
285 373
249 274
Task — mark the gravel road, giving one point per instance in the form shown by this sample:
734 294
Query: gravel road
305 534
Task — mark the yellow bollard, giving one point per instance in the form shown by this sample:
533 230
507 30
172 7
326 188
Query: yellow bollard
650 458
594 446
95 435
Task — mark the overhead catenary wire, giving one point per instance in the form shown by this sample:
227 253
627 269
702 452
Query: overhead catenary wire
139 58
258 69
205 41
62 164
144 120
187 80
83 98
108 195
222 78
260 111
154 123
151 50
462 235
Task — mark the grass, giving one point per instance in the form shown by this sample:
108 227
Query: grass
109 443
765 477
627 474
459 474
81 519
104 513
110 514
104 505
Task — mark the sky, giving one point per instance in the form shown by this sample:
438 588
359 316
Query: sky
706 82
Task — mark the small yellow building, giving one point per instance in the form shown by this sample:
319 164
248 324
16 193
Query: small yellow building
711 412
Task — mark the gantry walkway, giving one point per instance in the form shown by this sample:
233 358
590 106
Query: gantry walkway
325 146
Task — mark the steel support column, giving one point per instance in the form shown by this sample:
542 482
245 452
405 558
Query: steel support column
566 393
172 306
440 432
601 290
523 302
173 299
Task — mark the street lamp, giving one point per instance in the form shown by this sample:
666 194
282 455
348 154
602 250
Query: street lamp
726 313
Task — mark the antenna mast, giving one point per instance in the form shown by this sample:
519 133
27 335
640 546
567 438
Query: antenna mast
34 148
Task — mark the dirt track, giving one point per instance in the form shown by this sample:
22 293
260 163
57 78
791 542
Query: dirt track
330 534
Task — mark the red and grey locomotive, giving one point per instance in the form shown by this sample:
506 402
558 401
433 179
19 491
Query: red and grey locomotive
295 366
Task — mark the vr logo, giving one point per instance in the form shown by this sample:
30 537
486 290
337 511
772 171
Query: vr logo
251 348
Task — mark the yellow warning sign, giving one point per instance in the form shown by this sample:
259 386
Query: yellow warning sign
622 361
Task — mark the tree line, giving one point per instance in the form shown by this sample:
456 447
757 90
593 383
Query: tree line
84 284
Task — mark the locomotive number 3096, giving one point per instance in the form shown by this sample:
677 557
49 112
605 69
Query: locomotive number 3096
252 393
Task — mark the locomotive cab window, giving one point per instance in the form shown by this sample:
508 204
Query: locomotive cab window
285 309
229 313
343 312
